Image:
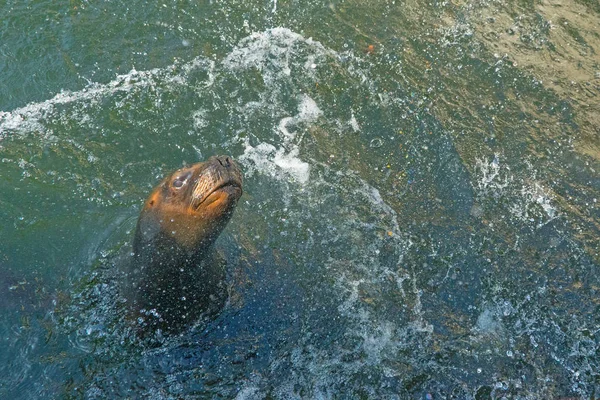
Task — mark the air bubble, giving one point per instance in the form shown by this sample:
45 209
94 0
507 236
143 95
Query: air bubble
376 143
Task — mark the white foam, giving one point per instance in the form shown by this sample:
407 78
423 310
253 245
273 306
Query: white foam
530 201
200 119
270 52
249 392
29 118
493 177
308 112
271 160
291 164
308 109
267 159
488 323
544 201
354 123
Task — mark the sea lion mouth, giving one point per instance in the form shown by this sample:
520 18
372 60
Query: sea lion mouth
230 188
218 184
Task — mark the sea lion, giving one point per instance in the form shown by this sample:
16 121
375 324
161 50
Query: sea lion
175 274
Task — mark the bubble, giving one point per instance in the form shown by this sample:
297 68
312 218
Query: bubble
376 143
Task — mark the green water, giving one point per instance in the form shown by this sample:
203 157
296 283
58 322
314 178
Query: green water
420 216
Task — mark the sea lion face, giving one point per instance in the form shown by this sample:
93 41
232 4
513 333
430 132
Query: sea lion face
193 204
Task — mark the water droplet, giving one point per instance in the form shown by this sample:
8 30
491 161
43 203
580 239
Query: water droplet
376 143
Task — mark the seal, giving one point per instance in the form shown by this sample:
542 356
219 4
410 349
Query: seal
175 274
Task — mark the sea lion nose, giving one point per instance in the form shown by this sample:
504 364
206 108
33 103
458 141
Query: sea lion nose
225 161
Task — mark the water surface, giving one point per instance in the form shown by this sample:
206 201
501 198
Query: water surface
420 217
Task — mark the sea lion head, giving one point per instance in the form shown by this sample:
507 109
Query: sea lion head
192 205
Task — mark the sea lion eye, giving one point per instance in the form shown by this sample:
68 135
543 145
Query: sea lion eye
181 180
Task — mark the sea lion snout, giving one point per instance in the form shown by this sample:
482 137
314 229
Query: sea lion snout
221 179
226 167
225 161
